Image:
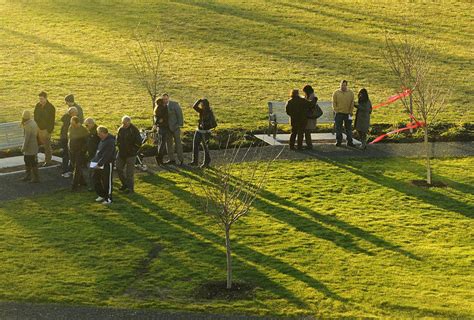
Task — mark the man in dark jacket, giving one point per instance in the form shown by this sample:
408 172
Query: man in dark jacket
128 142
103 164
69 99
44 116
92 144
297 108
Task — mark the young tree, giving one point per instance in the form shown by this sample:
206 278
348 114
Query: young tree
230 190
413 68
146 55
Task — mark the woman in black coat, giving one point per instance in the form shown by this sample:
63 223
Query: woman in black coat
297 108
362 121
202 134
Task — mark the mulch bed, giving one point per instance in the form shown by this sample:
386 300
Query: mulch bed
218 290
424 184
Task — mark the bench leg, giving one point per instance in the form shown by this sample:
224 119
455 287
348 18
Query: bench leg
275 131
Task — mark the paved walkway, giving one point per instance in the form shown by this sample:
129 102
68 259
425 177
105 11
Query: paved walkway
11 187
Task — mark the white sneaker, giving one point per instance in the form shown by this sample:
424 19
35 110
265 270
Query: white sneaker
66 175
108 201
99 199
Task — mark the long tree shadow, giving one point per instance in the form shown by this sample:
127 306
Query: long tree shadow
265 204
429 196
246 252
71 235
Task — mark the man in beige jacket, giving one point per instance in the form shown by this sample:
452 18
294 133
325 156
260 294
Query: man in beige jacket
343 106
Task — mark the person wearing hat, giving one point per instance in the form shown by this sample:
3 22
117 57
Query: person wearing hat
44 116
30 147
71 103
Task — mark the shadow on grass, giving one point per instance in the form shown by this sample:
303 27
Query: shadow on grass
428 196
342 238
244 252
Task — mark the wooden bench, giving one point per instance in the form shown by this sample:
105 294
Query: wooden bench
11 135
277 115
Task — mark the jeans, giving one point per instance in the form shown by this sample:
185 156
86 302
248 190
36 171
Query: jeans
66 165
45 138
201 138
340 120
126 170
162 144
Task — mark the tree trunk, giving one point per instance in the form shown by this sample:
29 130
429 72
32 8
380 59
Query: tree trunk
428 156
229 257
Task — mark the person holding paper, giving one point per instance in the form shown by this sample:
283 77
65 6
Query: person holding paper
103 164
343 106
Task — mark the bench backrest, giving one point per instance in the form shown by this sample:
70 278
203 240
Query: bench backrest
277 110
11 135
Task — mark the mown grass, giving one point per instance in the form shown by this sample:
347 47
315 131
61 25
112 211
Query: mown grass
345 238
240 54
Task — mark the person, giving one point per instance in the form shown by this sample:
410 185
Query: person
44 116
92 144
202 134
63 141
175 122
128 142
103 164
343 106
161 124
77 147
311 121
297 108
30 147
362 120
69 99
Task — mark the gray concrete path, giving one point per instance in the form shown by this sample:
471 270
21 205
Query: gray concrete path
11 187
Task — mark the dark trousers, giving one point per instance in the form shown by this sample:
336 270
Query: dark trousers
162 149
30 161
340 120
66 165
201 138
307 138
78 162
103 181
126 170
297 130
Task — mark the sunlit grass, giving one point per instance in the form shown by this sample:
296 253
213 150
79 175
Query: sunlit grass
240 54
329 238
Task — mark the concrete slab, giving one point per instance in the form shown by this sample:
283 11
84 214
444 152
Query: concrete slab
284 138
14 162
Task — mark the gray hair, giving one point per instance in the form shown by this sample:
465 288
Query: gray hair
126 119
72 109
89 121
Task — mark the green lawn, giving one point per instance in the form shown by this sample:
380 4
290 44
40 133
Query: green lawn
240 54
333 239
